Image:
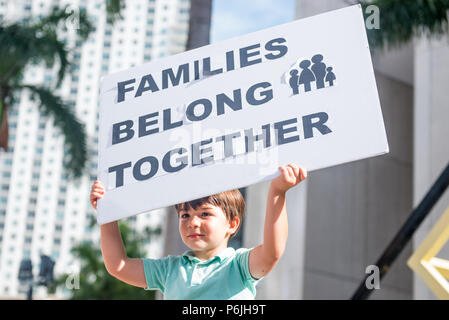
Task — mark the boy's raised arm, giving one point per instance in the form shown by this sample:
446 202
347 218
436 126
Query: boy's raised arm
263 258
115 259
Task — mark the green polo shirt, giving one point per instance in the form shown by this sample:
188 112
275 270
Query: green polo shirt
223 277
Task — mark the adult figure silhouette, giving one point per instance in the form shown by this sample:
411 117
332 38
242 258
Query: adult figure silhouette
319 70
306 76
294 81
330 76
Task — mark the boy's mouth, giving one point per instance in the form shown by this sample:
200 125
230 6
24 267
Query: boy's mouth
195 235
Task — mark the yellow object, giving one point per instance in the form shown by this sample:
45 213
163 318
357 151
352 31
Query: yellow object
434 271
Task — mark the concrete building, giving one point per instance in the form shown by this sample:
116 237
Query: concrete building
343 217
41 211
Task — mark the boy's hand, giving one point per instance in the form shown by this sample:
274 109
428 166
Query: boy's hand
290 176
96 192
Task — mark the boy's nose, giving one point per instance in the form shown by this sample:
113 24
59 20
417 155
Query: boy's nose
195 221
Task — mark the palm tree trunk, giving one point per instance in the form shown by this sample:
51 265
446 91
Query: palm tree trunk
199 23
4 119
199 31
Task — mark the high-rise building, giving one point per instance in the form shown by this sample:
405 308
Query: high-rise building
342 218
41 211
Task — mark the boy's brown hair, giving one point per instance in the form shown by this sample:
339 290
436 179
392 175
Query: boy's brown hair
231 202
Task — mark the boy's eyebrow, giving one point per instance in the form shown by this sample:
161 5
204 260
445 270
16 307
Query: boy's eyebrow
199 208
206 207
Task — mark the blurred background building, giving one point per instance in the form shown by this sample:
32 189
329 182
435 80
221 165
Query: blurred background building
343 217
41 211
340 219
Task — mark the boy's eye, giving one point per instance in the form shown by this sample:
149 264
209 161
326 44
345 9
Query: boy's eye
185 215
205 214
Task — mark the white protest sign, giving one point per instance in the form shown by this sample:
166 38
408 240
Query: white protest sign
226 115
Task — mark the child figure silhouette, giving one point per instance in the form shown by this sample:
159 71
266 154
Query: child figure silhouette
294 81
306 76
330 76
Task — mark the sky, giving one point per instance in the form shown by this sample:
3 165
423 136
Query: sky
232 18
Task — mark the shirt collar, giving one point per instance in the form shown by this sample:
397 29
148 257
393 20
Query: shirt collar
222 255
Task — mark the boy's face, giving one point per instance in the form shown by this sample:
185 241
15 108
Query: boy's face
205 228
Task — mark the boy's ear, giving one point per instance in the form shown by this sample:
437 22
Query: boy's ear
234 224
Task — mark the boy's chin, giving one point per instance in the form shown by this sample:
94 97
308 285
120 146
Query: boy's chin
195 244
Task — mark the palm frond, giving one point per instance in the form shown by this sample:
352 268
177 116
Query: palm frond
113 10
64 119
401 20
67 15
37 42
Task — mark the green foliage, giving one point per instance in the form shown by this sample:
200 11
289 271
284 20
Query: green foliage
30 42
35 42
94 280
113 9
401 20
73 130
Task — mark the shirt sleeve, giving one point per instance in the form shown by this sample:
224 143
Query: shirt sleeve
156 271
242 258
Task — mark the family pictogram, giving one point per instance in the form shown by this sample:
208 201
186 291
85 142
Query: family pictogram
320 74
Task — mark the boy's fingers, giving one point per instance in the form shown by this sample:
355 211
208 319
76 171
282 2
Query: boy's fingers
97 195
97 183
295 169
303 173
290 171
285 173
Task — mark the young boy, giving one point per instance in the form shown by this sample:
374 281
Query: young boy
210 270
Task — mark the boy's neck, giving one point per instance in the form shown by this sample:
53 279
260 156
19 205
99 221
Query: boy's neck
206 255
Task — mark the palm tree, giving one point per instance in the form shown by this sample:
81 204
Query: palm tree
199 33
401 20
31 42
94 280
